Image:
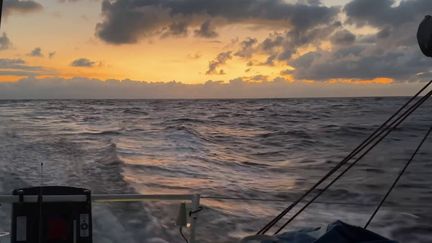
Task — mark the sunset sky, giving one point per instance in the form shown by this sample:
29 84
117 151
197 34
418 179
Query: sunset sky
207 49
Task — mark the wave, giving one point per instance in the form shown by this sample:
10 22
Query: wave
135 111
193 134
102 133
254 149
110 155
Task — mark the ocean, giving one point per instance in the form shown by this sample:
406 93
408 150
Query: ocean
271 150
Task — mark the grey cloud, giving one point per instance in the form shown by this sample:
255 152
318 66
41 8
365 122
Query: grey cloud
82 88
393 21
20 6
5 42
17 73
18 67
82 62
247 48
37 52
17 64
281 46
310 2
221 59
206 30
384 12
343 37
272 41
390 52
384 33
126 21
177 29
73 1
401 65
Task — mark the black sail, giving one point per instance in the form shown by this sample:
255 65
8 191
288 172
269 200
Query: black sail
424 36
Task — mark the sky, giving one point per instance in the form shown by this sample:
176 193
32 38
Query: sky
211 49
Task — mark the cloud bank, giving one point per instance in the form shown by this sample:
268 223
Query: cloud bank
128 21
310 39
82 88
390 52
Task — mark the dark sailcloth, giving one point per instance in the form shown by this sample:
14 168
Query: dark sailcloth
424 36
338 232
1 10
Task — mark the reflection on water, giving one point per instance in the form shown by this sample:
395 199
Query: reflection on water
263 149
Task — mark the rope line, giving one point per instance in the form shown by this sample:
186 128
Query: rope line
360 147
318 202
182 234
396 123
398 177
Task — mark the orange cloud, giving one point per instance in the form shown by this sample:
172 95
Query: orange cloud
379 80
8 79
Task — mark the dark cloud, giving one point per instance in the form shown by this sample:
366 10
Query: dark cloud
37 52
179 29
82 62
281 46
221 59
343 37
5 42
206 30
126 21
274 40
18 67
348 63
20 6
17 64
384 12
396 23
247 48
390 52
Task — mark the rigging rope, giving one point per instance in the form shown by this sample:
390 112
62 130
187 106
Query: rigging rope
358 149
398 177
320 202
182 234
394 125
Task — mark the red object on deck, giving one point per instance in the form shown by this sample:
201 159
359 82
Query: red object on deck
57 229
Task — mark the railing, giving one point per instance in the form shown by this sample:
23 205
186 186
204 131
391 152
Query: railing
118 198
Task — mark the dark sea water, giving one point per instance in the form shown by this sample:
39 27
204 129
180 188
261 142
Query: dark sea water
262 149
